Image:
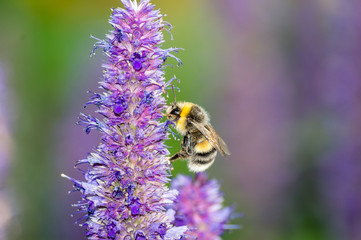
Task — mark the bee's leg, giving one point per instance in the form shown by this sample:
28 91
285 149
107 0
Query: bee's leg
178 155
187 144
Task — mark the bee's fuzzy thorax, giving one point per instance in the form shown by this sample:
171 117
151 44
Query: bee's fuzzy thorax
189 110
204 115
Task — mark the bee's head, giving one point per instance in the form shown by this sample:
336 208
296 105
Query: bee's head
173 112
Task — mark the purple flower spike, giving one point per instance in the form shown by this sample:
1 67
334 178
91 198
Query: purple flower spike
124 194
199 206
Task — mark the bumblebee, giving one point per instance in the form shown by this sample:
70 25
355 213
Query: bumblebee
200 141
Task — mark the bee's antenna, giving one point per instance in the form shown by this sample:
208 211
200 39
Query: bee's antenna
175 99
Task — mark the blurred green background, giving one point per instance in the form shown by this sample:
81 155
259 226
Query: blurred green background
280 79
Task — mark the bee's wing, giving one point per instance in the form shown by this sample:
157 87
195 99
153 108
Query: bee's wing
225 150
213 138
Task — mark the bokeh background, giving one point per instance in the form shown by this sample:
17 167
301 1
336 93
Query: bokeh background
281 80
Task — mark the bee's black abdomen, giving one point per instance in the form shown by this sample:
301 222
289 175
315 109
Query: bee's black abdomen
199 162
205 155
205 158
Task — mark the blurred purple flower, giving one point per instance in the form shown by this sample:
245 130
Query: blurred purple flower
124 194
7 209
340 99
6 144
257 113
199 205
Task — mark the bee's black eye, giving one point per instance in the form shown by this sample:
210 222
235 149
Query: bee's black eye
175 111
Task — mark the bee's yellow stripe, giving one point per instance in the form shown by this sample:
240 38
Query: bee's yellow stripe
203 146
185 110
182 121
